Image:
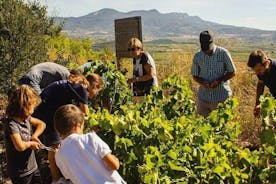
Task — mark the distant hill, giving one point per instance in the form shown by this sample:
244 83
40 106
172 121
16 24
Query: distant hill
156 25
162 41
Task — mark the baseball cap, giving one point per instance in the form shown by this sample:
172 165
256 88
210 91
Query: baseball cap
206 40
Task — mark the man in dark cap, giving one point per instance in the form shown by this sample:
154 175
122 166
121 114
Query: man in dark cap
212 68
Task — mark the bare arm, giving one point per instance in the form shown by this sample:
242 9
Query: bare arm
259 91
40 127
111 162
149 75
225 78
201 81
21 145
84 108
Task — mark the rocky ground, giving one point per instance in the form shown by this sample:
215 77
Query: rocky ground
3 164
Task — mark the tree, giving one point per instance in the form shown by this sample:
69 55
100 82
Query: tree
23 27
72 52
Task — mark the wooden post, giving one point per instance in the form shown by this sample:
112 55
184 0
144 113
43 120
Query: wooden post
125 29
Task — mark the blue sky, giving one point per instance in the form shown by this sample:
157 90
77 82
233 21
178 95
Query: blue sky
259 14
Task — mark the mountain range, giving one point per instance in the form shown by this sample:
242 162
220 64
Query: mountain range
156 25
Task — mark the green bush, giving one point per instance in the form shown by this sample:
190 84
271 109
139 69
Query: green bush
23 27
162 140
116 92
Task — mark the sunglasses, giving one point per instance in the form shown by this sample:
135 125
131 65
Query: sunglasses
133 49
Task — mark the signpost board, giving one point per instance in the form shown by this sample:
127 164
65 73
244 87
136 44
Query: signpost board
125 29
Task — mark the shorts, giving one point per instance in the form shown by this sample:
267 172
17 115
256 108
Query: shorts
205 108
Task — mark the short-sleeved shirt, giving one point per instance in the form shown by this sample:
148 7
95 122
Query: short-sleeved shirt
211 68
269 78
41 75
80 159
143 87
20 163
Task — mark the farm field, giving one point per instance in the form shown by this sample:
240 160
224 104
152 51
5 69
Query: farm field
142 135
161 139
175 57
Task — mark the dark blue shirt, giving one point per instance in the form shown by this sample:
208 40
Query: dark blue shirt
57 94
269 78
63 92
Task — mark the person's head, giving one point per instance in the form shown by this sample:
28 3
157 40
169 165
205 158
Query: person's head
206 39
76 77
96 84
259 62
22 100
135 47
68 119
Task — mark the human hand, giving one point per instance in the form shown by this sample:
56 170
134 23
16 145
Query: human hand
257 111
206 85
34 145
129 81
132 80
95 129
215 84
36 139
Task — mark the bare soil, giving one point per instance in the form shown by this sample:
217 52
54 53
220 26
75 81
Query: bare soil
3 164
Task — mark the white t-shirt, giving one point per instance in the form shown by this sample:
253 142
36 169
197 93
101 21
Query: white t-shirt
80 160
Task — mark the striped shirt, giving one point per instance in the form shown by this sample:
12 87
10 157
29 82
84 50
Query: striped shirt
211 68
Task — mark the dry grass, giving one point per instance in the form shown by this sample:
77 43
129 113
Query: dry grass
179 63
243 86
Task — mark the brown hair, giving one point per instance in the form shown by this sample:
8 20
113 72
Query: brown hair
76 77
95 83
66 117
20 101
75 72
256 57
